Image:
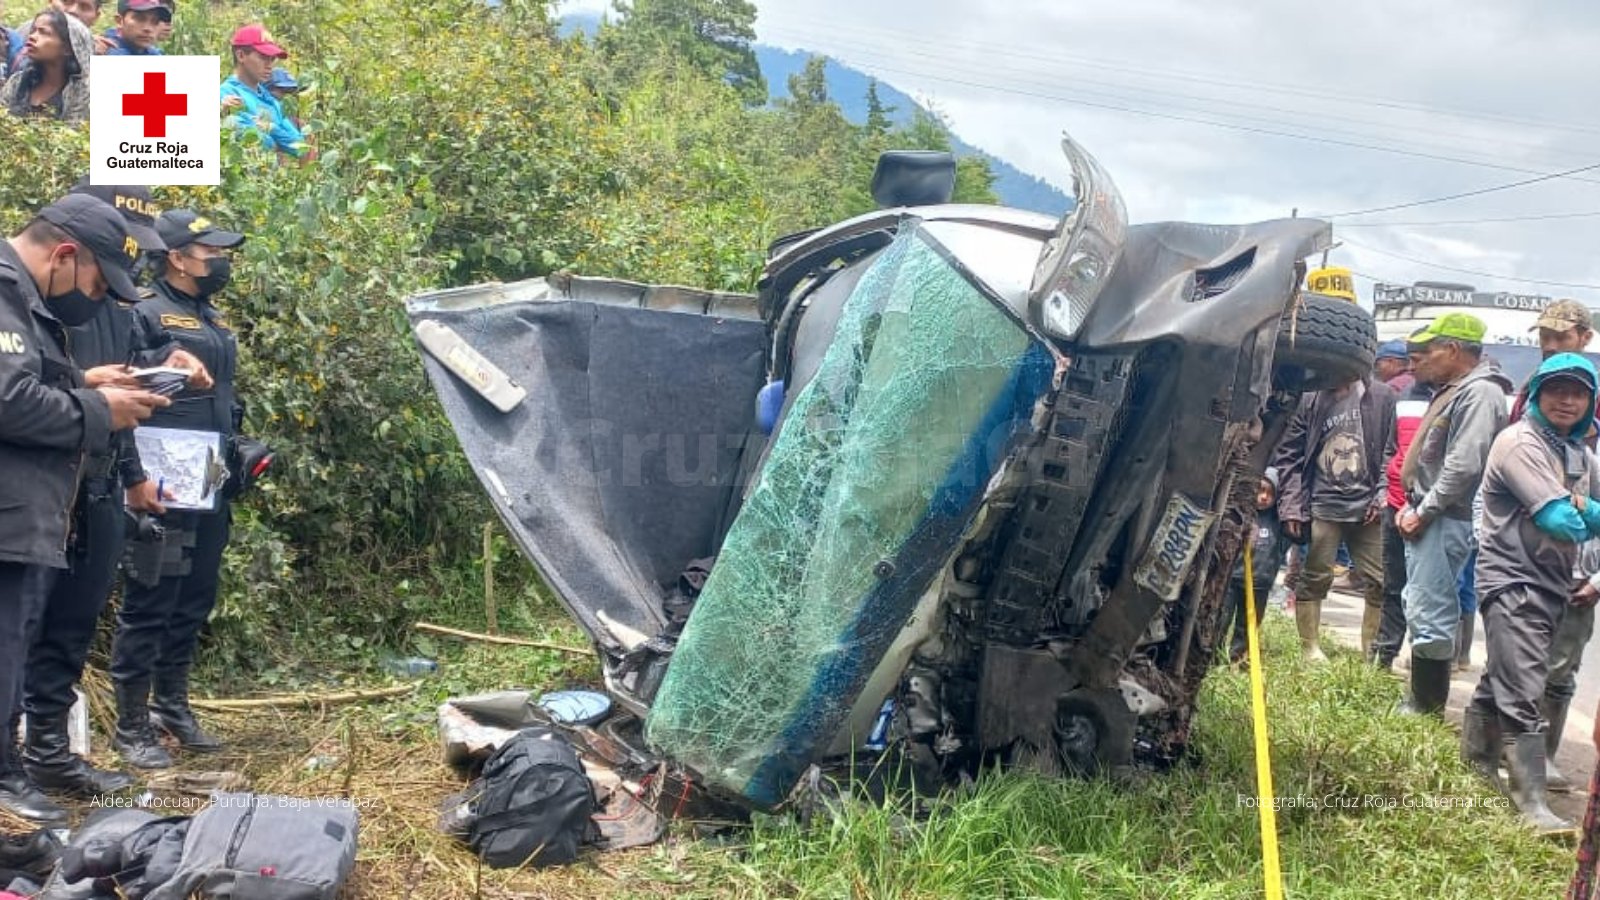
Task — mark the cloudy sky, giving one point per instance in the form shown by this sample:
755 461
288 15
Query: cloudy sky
1188 104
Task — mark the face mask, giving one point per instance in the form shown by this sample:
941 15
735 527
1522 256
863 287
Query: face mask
73 307
218 270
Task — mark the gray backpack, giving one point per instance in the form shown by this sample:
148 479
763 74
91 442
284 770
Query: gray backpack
265 847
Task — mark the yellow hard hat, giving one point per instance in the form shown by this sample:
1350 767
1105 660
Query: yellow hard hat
1334 281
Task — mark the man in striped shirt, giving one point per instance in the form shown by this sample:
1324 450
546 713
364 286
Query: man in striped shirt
1412 399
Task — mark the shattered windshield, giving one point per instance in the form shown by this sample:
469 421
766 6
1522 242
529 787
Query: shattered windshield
880 463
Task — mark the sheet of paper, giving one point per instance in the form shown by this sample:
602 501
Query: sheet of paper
186 464
158 371
163 380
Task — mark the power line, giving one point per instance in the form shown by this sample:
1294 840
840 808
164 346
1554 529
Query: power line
1159 96
1439 157
1437 222
882 37
1495 275
1479 192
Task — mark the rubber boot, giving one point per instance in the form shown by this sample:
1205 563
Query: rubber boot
1555 717
1308 619
1371 621
1430 686
48 759
170 712
135 738
1527 759
1482 745
1464 631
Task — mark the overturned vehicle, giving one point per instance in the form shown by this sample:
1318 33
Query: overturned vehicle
960 483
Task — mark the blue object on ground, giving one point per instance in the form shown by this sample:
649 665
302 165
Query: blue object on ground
575 707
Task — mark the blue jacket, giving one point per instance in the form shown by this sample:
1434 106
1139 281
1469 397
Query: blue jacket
119 47
14 42
1569 364
1560 518
263 115
1270 549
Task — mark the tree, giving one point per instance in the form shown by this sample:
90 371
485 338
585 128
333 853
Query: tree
879 119
713 36
808 88
822 146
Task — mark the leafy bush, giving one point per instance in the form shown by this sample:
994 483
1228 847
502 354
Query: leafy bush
458 143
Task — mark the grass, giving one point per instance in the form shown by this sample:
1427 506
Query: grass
1179 834
1185 834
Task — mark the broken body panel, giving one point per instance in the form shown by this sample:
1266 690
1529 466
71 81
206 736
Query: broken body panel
1013 526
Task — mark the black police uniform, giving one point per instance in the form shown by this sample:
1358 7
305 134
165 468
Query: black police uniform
49 423
61 648
79 594
163 610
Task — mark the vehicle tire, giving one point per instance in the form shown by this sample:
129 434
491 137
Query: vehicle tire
1323 342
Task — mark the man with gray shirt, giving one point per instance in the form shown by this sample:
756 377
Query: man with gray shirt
1538 507
1440 475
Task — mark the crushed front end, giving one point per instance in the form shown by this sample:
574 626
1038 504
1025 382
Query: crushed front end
987 509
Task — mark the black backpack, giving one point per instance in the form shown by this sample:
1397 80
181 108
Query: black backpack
532 805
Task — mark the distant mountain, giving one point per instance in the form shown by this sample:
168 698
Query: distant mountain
848 88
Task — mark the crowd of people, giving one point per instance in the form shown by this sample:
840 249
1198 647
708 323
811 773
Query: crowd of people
48 63
85 357
1458 495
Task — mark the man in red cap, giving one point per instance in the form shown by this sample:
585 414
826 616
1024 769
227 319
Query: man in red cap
260 113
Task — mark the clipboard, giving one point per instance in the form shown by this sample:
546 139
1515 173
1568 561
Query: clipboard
187 464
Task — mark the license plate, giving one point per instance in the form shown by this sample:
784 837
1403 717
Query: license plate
1173 548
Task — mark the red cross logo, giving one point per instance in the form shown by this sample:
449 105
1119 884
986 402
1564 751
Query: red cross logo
155 104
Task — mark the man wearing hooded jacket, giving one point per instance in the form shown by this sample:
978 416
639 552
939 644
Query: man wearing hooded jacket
1566 326
54 274
1539 485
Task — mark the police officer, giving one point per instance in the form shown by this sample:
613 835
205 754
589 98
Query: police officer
169 593
104 346
54 274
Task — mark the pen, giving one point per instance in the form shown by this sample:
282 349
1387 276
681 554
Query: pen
161 489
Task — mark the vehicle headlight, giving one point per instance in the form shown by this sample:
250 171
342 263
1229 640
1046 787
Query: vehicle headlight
1078 260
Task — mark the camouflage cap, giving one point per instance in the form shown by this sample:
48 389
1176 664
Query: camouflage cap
1565 315
1455 326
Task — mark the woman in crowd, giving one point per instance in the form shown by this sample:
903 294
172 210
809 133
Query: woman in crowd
55 81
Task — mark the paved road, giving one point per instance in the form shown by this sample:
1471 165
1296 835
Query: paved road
1341 614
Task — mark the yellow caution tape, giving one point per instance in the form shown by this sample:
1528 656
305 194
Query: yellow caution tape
1272 871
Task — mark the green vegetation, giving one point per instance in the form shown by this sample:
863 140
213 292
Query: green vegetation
458 144
1186 833
1181 834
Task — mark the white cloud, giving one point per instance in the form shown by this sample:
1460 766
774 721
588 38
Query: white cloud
1510 84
